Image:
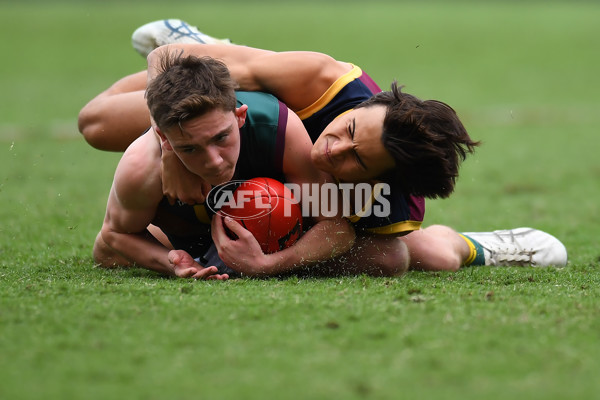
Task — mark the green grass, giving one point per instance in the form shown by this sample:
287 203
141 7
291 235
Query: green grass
522 76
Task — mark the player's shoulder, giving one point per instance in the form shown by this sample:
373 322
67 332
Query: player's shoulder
259 104
138 172
264 110
252 97
321 66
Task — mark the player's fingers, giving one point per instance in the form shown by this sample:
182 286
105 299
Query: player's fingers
236 227
174 257
217 225
218 230
186 272
204 273
218 277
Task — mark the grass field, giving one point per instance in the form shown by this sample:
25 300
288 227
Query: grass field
523 77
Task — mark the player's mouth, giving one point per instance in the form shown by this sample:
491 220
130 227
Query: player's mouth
220 176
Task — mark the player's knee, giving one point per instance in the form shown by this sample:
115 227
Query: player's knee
91 127
438 231
449 257
436 250
441 260
450 262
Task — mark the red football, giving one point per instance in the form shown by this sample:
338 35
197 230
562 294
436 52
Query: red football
266 208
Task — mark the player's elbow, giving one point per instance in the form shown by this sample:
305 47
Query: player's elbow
394 263
104 256
344 235
155 57
155 54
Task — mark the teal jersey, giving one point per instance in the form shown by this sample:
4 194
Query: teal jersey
262 140
262 137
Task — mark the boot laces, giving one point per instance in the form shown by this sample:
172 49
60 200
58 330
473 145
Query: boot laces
509 252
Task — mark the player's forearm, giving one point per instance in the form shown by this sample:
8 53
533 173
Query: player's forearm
142 249
326 240
237 59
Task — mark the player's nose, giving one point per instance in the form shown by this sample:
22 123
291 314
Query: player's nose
340 148
213 159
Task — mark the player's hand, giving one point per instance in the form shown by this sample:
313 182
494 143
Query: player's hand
184 266
179 183
243 254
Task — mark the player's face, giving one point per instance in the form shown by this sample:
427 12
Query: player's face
209 145
350 147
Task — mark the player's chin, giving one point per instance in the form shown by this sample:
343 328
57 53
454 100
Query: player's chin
315 153
219 178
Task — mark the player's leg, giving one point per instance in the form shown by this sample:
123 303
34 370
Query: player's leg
518 247
298 78
117 116
436 248
169 31
440 248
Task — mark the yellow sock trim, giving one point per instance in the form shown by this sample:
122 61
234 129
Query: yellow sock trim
472 251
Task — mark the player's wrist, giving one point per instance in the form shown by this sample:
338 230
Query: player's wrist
277 263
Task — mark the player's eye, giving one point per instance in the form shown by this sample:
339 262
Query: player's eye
188 150
352 128
221 138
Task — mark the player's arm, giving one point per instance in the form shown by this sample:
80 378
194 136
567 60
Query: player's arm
298 78
327 238
132 203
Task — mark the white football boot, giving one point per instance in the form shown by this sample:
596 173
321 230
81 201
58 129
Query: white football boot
521 247
168 31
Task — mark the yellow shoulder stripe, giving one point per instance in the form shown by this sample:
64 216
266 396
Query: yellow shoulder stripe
333 90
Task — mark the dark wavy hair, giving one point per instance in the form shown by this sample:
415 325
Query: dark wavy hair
188 87
426 139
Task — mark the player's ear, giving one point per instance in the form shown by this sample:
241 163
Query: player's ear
164 142
240 115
